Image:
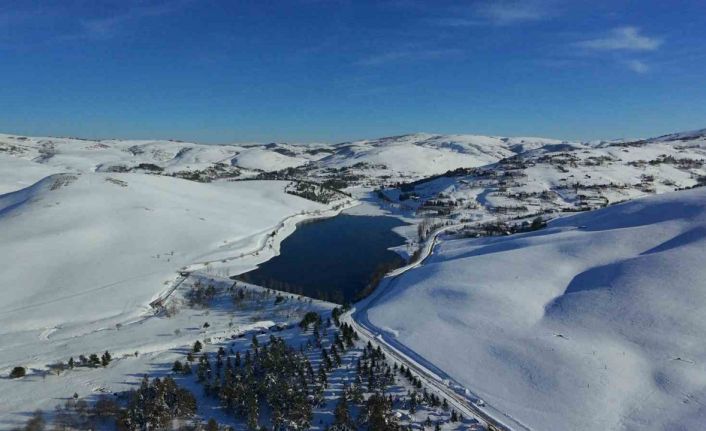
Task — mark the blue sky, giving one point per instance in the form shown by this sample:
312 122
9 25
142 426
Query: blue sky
317 70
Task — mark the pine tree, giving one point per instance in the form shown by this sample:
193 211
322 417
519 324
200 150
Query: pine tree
336 356
326 359
18 372
201 371
323 379
342 416
156 404
252 408
413 403
94 360
105 359
377 415
197 346
211 425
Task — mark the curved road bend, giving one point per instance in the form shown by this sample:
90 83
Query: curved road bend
357 317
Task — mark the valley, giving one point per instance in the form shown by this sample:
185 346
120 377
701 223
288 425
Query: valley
488 266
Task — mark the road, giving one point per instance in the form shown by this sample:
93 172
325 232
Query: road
357 318
432 382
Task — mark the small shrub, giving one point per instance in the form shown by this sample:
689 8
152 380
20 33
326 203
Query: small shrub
538 223
309 318
18 372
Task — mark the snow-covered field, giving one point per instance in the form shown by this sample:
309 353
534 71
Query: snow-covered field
424 154
148 345
595 322
376 162
159 157
591 323
84 252
17 173
558 178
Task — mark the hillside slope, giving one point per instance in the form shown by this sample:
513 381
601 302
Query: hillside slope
393 158
17 173
97 248
423 154
595 322
552 179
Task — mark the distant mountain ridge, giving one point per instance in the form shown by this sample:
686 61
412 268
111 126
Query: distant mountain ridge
370 162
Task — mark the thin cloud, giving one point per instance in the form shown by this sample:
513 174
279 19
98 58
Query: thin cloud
510 12
455 22
408 55
102 28
492 12
38 26
637 66
622 39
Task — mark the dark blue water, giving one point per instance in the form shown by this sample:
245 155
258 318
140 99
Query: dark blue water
334 259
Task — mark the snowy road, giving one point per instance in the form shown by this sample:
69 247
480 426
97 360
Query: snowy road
458 397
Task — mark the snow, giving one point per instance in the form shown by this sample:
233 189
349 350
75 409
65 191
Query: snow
555 178
261 159
80 155
690 135
423 154
415 155
16 173
89 250
149 344
592 323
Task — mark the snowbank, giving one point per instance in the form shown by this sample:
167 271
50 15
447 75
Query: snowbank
16 173
97 248
261 159
593 323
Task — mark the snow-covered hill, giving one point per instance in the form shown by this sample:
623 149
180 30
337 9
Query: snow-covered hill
92 249
595 322
264 158
17 173
592 322
421 154
80 155
196 161
380 161
369 163
555 178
